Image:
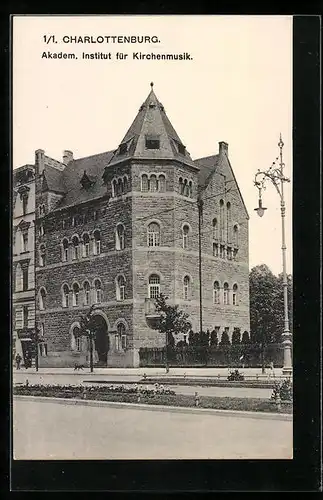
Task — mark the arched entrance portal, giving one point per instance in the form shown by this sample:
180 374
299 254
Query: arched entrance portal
101 340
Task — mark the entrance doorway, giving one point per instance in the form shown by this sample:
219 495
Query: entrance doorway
101 340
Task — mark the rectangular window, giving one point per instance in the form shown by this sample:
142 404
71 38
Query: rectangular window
25 241
19 319
124 341
215 250
25 278
152 142
24 204
25 320
117 342
153 291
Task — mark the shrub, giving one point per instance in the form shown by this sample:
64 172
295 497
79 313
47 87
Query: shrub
282 390
235 375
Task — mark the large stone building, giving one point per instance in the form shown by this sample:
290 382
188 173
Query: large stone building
23 284
119 227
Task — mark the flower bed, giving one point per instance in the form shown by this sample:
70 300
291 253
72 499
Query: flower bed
211 382
157 396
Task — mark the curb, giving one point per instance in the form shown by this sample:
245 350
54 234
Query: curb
174 409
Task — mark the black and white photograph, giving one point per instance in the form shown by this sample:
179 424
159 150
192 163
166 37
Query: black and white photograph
152 269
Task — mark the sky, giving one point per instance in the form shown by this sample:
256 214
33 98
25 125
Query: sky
236 87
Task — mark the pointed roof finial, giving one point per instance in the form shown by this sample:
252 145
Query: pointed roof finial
151 84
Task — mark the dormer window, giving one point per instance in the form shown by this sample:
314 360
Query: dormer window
86 181
181 149
122 148
152 142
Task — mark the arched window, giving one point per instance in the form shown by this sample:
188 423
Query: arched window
42 255
185 232
153 235
98 291
162 183
87 293
76 292
235 294
153 183
225 294
120 240
19 281
144 183
41 230
66 296
114 188
186 287
120 288
181 185
190 189
236 235
120 187
154 286
77 339
96 242
121 337
222 220
42 299
125 183
229 236
65 250
215 228
185 188
75 242
86 245
216 292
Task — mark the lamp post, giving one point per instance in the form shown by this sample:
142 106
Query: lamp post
276 175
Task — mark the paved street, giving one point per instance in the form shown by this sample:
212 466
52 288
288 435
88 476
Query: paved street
80 378
46 430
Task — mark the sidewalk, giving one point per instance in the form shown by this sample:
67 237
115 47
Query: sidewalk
249 373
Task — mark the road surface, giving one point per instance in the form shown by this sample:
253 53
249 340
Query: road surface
49 431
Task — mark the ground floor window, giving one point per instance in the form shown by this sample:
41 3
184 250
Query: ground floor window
121 338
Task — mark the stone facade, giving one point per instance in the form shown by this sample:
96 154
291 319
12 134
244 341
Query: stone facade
121 226
23 278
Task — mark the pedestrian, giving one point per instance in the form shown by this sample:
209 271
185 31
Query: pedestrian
18 361
271 366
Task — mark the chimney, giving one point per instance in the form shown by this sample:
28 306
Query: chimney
223 148
67 156
39 161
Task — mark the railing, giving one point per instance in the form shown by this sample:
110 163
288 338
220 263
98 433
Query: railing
219 356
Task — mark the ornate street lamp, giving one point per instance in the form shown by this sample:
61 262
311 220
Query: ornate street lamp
276 175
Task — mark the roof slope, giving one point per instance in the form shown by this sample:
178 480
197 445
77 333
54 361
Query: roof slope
53 180
152 120
73 173
207 166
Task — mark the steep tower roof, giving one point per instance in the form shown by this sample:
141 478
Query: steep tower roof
152 136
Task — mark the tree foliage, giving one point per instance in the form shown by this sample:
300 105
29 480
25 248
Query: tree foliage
87 323
172 320
267 305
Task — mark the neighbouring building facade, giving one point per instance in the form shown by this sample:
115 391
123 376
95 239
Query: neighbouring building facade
118 228
23 283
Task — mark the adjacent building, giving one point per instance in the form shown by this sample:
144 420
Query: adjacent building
118 228
23 284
